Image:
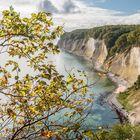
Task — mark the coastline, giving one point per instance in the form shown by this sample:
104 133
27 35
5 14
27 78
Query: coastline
121 86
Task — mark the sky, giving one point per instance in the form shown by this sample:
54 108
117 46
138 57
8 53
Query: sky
74 14
125 6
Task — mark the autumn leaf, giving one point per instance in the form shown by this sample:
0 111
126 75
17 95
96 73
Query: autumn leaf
3 81
47 134
11 113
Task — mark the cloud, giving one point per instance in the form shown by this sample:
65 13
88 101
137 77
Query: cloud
58 6
47 6
73 13
25 7
89 17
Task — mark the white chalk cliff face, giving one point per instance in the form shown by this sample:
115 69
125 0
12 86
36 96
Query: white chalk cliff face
125 65
89 48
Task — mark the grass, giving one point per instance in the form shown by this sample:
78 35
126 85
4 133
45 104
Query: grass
129 98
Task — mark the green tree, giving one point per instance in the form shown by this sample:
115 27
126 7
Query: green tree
34 100
119 132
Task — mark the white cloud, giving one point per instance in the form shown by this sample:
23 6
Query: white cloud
24 6
73 13
59 6
89 17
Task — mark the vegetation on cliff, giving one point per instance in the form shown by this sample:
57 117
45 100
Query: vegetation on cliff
117 37
119 132
130 99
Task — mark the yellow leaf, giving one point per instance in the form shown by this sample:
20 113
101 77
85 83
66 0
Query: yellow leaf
11 113
23 93
6 130
47 134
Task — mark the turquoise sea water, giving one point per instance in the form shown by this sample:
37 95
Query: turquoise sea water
100 114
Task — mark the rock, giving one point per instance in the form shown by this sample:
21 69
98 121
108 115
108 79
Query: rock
126 65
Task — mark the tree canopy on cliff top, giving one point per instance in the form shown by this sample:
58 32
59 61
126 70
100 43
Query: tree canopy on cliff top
118 38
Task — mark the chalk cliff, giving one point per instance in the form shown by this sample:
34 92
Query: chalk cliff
111 49
125 64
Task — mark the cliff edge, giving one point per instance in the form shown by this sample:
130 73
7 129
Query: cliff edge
112 49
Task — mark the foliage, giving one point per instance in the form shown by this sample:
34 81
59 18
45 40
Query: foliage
117 132
131 94
34 99
117 37
120 132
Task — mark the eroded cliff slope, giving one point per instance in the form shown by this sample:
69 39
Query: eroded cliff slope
130 99
111 48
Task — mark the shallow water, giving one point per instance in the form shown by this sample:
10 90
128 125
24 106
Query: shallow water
101 113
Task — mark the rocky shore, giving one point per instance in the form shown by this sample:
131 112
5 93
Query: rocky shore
121 86
121 66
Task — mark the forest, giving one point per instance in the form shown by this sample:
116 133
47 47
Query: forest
118 38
